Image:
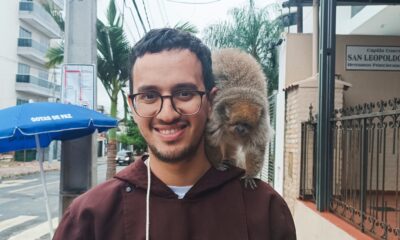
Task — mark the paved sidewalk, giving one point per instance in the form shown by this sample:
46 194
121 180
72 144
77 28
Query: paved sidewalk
13 168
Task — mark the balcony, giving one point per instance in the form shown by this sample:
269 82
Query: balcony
32 50
36 16
59 4
34 85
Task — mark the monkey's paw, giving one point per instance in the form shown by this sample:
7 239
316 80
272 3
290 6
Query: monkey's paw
249 181
224 165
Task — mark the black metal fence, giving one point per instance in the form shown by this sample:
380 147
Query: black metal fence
308 158
366 165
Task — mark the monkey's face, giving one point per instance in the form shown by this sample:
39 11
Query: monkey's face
242 118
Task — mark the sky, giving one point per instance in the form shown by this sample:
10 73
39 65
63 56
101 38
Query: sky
161 13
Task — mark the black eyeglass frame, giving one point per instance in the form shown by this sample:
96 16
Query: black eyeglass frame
201 93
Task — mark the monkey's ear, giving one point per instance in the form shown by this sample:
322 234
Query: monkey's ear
223 112
211 96
213 93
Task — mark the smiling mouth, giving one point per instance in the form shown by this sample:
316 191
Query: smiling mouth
171 133
168 131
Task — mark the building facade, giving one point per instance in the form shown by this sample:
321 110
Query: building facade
365 174
27 30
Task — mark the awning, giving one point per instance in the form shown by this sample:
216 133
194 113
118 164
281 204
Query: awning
295 3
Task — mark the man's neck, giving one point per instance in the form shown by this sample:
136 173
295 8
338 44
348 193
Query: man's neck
184 173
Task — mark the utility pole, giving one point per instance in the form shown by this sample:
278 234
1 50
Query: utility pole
79 157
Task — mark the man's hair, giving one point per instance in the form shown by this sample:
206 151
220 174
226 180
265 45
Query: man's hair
158 40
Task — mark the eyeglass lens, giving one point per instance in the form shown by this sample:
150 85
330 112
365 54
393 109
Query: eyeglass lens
184 102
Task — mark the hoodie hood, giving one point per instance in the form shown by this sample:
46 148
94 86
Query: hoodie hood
136 175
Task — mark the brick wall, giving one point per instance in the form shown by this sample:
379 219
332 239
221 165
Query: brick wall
298 100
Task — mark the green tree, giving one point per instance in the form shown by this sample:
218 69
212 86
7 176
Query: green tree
133 137
253 31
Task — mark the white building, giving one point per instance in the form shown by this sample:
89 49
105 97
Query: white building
26 29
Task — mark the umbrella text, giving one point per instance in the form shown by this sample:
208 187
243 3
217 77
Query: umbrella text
52 117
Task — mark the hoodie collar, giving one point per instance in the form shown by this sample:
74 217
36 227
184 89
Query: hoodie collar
136 174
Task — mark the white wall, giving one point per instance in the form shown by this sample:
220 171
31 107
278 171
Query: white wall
311 226
8 51
9 32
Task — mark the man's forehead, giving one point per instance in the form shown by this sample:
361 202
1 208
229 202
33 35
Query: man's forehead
168 70
170 52
178 86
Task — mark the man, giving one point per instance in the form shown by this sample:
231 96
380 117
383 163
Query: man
171 88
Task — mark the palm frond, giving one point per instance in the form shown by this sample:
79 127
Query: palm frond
251 30
55 14
55 56
186 27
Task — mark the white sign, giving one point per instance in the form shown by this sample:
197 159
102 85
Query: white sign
78 85
373 58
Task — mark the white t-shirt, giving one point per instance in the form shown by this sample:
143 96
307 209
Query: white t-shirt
180 190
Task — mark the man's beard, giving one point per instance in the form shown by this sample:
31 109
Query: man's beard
171 157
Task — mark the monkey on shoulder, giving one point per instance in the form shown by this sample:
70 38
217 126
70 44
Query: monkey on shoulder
238 128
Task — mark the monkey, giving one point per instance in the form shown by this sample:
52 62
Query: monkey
239 120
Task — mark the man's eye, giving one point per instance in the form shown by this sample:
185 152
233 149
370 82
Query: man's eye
148 97
184 95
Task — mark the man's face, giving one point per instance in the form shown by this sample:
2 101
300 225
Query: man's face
171 137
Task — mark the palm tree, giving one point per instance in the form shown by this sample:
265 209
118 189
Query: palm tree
253 31
112 70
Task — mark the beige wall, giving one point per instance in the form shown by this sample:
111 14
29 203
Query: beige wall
298 100
298 59
367 86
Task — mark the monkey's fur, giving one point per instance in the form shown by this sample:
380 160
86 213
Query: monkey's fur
239 120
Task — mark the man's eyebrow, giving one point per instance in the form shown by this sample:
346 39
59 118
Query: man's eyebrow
186 86
147 88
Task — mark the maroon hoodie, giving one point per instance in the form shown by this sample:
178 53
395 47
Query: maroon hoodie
216 207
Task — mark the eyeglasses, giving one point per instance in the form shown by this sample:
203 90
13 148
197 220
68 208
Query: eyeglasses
184 102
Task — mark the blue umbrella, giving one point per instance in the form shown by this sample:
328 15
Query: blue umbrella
35 125
49 121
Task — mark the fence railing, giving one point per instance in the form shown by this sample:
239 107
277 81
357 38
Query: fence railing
23 78
308 158
28 42
366 167
272 101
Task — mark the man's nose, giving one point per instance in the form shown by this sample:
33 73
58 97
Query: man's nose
167 113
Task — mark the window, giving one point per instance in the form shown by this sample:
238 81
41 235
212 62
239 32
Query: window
355 10
23 33
24 69
21 101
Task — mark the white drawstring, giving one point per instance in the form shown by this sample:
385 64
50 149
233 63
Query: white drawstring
148 200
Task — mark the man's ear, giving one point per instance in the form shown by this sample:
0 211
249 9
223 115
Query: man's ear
133 113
